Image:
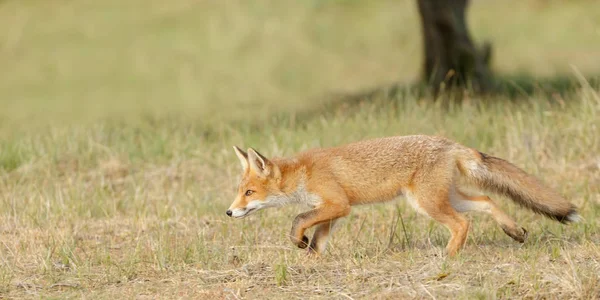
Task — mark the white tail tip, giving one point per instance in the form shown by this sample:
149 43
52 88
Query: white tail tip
574 217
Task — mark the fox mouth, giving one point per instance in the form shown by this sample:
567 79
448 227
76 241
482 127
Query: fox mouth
246 213
243 212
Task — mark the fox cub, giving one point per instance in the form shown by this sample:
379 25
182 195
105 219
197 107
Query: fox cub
426 170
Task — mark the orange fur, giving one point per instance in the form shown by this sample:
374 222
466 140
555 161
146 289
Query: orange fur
426 169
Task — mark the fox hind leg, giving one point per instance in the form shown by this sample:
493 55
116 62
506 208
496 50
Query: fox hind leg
465 203
436 204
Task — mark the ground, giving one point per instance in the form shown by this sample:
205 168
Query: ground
117 120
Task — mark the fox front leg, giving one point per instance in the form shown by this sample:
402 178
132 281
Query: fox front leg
299 227
311 218
319 239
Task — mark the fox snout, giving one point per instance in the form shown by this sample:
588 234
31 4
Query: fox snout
240 212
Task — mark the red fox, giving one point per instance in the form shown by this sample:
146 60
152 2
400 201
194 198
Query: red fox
427 170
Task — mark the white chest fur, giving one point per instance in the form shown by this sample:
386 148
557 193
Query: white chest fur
300 196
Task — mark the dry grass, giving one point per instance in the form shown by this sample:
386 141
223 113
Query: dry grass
117 121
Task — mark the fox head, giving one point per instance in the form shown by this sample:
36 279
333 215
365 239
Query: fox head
260 184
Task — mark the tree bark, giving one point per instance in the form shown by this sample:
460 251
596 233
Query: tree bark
450 57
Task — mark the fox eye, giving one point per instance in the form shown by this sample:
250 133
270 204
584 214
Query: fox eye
249 192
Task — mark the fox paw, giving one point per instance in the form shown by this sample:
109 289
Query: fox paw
301 244
518 234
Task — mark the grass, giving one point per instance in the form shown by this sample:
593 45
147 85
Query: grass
117 120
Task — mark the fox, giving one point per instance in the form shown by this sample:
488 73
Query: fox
430 172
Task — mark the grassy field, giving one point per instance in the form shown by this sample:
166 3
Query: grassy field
117 120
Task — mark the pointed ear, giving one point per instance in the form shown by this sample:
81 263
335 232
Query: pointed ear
259 163
243 156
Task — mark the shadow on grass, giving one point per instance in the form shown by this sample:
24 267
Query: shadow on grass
509 88
523 85
513 88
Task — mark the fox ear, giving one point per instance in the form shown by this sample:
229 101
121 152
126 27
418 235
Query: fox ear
243 156
258 163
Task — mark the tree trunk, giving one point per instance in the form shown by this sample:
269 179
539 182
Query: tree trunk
451 58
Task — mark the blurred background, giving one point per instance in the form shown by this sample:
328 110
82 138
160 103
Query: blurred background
85 60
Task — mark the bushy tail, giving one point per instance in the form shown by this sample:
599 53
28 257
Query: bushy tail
501 177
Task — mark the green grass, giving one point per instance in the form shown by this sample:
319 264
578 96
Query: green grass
117 120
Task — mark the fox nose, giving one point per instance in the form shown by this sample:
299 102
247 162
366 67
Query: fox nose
228 212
